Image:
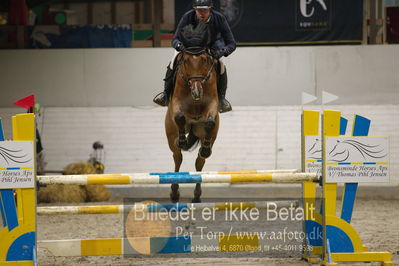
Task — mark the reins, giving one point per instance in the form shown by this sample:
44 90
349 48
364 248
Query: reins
196 51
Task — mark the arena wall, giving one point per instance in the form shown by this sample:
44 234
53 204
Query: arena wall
258 76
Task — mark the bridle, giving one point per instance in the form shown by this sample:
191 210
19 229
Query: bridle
202 78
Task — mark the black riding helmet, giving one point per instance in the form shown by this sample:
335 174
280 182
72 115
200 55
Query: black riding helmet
202 3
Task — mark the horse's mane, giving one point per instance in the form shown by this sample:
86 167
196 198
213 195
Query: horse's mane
195 36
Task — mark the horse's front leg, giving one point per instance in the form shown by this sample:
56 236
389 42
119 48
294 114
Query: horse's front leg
172 134
211 128
206 145
181 141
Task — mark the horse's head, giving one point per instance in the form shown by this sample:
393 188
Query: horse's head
196 68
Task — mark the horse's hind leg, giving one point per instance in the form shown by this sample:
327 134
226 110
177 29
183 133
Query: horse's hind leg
177 155
175 194
197 193
211 129
178 158
199 164
180 143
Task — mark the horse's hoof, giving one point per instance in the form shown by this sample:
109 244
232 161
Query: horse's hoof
174 198
196 200
205 152
181 144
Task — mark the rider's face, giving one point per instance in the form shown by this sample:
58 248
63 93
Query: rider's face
203 13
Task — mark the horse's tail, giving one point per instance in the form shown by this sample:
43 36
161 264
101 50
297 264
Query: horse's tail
192 141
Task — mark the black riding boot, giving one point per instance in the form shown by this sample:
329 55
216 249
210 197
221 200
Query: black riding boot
224 105
162 98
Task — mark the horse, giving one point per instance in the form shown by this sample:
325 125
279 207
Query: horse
192 116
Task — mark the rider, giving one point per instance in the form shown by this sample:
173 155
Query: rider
221 43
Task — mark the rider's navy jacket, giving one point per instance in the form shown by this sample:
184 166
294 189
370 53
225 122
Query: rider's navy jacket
220 32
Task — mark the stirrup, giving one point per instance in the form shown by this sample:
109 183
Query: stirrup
224 106
160 99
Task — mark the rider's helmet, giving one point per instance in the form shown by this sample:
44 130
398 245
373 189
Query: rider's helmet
202 3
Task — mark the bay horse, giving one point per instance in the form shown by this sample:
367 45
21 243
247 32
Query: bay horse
192 116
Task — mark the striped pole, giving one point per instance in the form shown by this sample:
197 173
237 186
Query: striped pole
247 172
154 207
171 178
154 245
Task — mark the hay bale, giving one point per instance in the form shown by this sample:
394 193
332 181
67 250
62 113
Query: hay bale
97 193
62 193
80 168
74 193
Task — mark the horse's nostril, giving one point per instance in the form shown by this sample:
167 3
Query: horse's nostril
196 96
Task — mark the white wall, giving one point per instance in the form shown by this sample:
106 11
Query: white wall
257 76
359 74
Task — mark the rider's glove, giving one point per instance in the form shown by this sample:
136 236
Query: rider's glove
179 47
219 53
226 52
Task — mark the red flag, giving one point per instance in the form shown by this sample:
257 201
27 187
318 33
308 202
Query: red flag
27 102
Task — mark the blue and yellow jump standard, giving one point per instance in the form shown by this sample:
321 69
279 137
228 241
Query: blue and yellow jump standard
18 234
340 241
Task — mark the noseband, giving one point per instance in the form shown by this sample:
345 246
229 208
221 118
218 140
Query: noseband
202 78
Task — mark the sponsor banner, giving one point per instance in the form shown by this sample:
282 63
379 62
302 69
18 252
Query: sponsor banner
313 154
289 21
357 159
17 164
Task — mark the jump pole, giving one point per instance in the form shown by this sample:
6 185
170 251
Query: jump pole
154 207
170 178
150 245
